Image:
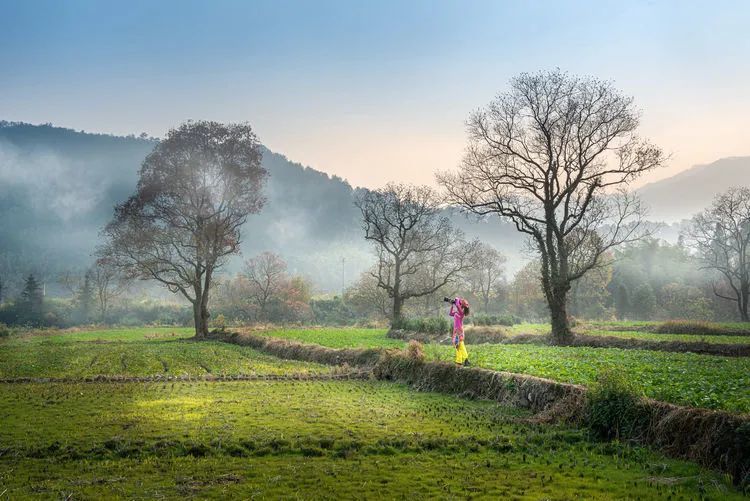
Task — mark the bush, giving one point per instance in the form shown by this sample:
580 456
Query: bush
433 325
612 405
4 330
696 327
506 320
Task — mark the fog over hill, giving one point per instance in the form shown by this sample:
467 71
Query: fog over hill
58 188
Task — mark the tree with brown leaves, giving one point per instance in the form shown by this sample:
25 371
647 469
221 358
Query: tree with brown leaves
196 190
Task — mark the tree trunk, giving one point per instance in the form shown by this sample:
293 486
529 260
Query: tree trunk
398 302
200 318
743 302
561 333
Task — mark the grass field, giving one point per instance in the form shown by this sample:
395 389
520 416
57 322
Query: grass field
134 352
305 439
682 378
297 439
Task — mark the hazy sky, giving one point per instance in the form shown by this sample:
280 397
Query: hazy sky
371 91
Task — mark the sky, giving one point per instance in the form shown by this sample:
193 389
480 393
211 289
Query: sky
372 91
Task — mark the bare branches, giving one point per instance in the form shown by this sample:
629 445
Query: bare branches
266 274
554 156
721 235
418 250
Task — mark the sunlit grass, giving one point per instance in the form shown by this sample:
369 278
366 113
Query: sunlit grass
310 439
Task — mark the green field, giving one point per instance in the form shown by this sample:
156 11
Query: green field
686 338
682 378
307 439
338 337
135 352
294 438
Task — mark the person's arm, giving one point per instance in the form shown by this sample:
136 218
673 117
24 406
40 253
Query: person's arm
453 310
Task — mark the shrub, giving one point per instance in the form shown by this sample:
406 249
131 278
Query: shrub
332 312
612 406
4 330
432 325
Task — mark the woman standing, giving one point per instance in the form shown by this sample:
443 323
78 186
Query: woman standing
459 309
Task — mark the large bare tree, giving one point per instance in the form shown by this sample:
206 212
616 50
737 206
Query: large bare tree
721 235
554 155
418 249
195 191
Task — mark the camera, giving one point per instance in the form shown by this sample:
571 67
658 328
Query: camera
448 300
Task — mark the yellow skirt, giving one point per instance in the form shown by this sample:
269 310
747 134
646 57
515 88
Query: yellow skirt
461 354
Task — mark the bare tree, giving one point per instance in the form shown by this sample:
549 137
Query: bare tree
418 250
554 156
108 284
195 192
487 274
367 298
266 274
721 235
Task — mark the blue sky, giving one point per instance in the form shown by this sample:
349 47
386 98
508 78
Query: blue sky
371 91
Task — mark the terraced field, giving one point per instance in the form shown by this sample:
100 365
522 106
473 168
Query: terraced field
56 358
308 438
683 378
313 438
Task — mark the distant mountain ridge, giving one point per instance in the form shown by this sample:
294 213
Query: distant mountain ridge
686 193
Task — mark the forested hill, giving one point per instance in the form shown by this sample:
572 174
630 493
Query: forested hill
58 188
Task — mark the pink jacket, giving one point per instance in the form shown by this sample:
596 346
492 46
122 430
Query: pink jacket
458 319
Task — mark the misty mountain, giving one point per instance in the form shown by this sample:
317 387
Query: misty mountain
58 188
680 196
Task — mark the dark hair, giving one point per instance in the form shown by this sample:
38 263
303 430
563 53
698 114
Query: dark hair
466 311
